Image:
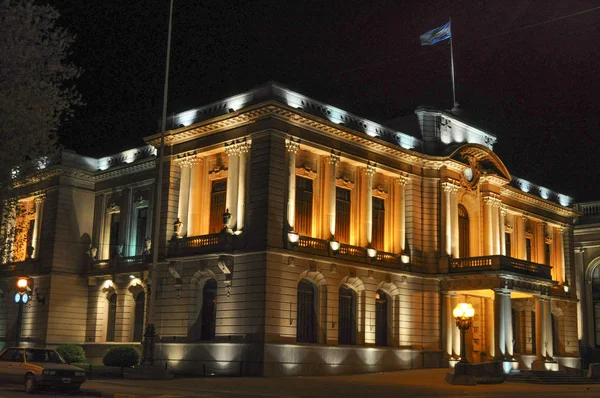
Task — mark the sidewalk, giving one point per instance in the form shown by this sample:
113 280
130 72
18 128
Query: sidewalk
411 383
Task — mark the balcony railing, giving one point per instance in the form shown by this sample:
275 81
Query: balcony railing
120 264
322 247
21 267
496 263
204 244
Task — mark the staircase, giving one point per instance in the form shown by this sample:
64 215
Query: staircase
547 377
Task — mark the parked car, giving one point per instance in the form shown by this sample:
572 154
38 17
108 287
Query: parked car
39 368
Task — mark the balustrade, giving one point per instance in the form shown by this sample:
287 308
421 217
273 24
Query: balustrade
489 263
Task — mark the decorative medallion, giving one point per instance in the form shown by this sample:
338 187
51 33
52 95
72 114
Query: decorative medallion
470 175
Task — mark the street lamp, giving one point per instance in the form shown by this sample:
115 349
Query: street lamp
21 297
463 314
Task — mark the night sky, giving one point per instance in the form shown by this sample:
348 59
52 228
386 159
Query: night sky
537 88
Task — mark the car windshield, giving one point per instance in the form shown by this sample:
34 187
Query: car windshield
46 356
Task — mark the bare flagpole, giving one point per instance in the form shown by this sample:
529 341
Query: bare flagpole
452 66
150 328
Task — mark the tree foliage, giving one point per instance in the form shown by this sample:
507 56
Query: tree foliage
36 85
37 92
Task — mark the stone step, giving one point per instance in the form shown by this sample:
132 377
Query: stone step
548 377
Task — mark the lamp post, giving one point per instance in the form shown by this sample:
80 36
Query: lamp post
21 297
463 314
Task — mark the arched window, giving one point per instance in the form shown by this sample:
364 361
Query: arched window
209 310
347 316
596 301
306 325
112 317
381 318
138 326
463 232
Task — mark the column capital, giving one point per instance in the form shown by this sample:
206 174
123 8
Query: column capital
334 157
580 250
370 169
524 217
292 145
502 290
451 187
402 179
503 209
237 147
188 159
39 199
492 200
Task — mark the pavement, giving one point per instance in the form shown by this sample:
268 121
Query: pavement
410 383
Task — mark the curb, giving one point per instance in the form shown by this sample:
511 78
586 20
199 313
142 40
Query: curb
110 395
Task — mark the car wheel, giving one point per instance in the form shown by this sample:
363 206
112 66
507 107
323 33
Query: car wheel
30 384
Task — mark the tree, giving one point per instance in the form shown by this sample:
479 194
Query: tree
36 93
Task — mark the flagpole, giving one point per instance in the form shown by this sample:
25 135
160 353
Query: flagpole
452 65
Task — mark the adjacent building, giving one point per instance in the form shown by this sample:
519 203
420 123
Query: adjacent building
297 238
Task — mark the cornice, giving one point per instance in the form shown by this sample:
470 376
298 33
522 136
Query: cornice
89 176
510 192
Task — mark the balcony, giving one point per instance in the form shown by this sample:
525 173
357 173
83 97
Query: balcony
322 247
22 268
120 265
500 263
204 244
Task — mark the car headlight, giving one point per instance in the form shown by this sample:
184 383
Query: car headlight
50 372
79 374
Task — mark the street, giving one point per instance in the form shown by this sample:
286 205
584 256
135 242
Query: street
414 383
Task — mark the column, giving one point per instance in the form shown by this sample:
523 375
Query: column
499 328
446 219
454 214
232 150
126 216
521 237
540 257
503 232
244 148
448 323
489 328
496 227
195 213
579 253
508 333
292 149
333 161
37 225
488 247
184 194
548 328
402 180
540 333
369 172
561 254
455 330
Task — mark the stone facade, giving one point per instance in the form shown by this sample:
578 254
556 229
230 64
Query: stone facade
295 239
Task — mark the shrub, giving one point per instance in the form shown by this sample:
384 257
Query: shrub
123 356
71 353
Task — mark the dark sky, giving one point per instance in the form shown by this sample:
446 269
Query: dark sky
537 88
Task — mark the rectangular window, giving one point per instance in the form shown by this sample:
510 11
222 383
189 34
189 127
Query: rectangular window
507 246
378 224
342 215
140 229
528 248
218 196
115 222
304 205
547 253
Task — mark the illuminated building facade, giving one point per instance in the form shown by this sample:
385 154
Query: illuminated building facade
587 263
297 238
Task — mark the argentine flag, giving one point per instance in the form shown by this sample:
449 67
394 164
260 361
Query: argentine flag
436 35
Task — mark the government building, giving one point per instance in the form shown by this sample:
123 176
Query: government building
299 239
